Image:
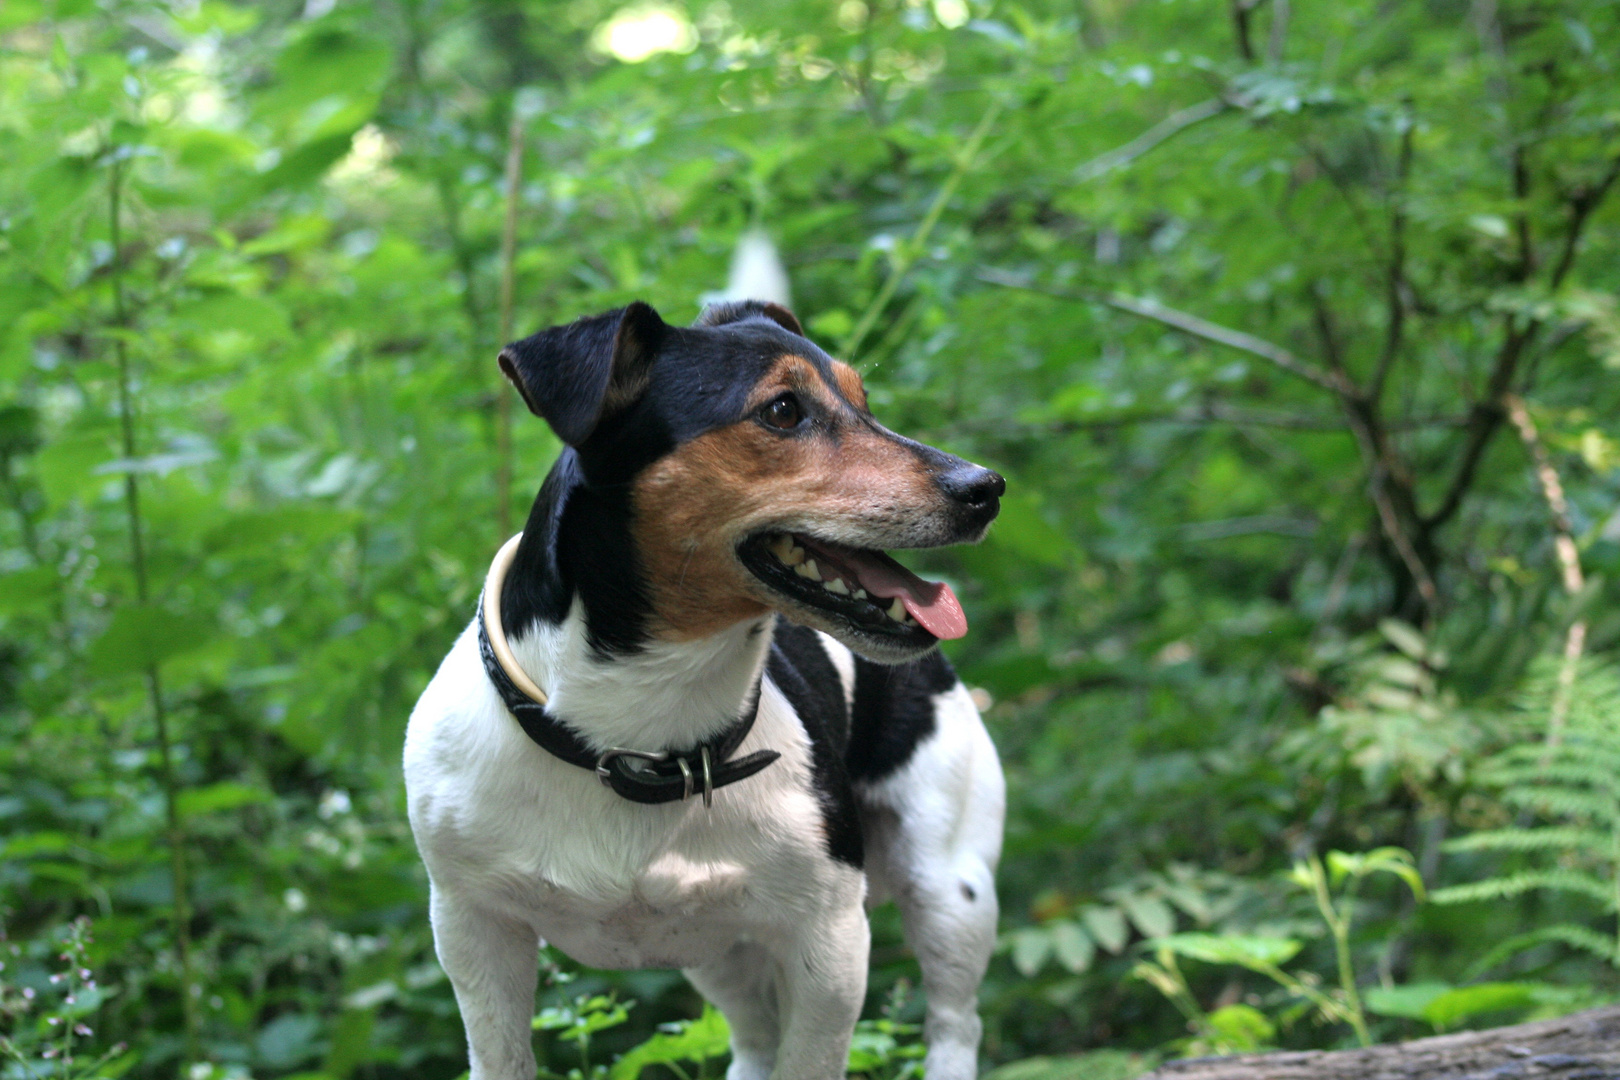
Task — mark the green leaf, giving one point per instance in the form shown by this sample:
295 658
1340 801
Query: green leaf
140 637
1243 1028
251 315
225 795
688 1040
1151 915
28 590
1250 952
1457 1006
1409 1002
1107 926
16 13
1031 946
19 431
1404 638
1073 946
65 465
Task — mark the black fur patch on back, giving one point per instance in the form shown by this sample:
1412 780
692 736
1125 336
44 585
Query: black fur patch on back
893 713
800 667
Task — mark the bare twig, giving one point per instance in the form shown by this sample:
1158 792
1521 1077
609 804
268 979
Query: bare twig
1163 131
1190 324
503 395
1569 561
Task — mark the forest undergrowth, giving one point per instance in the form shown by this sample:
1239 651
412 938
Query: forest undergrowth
1293 327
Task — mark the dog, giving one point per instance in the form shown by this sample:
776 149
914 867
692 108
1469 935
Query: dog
700 720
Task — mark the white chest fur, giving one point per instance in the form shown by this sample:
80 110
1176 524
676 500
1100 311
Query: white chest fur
505 826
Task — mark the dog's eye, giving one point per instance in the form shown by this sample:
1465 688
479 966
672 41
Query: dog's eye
783 413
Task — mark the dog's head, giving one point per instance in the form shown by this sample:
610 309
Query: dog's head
757 477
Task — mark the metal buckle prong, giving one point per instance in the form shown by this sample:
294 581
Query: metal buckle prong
604 774
686 775
708 781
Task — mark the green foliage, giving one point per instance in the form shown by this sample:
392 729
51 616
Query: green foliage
1442 1006
1230 293
683 1041
1573 786
1237 1027
44 1030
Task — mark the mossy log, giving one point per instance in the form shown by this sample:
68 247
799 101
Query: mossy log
1584 1046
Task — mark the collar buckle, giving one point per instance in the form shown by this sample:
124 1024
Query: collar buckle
605 774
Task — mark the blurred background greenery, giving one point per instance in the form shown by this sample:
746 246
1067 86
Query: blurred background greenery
1292 324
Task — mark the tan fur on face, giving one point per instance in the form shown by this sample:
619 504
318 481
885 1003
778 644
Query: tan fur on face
849 384
696 504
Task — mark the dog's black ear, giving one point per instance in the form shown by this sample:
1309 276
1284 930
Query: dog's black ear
576 375
730 311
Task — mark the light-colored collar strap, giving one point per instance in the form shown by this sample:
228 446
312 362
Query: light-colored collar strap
492 621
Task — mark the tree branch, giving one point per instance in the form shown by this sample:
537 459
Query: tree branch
1163 131
1241 10
1484 418
1375 451
1395 293
1189 324
1581 206
1360 413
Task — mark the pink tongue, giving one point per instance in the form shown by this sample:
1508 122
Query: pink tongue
931 603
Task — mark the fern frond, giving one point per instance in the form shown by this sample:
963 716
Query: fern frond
1580 774
1551 838
1564 802
1578 937
1500 888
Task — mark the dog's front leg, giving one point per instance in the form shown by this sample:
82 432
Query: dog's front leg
823 972
493 963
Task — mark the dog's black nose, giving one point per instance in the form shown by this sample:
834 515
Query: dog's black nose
973 486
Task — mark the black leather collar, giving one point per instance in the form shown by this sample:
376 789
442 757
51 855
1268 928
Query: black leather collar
640 776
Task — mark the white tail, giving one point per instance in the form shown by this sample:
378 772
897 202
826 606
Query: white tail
757 272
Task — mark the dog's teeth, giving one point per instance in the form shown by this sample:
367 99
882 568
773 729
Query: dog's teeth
859 594
781 546
836 585
794 556
808 569
897 611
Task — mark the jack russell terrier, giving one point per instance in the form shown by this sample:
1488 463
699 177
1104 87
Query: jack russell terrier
699 720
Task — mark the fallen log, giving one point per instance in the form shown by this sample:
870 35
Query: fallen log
1583 1046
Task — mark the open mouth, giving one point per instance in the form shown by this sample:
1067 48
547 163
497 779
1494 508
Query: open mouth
862 587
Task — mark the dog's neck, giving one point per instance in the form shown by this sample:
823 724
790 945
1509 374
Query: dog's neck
576 613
